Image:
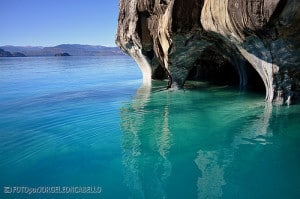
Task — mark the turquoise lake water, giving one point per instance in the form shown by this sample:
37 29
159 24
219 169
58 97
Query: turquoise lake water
70 122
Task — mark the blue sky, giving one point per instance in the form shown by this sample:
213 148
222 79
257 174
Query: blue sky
53 22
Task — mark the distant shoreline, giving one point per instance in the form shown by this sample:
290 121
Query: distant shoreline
65 56
72 49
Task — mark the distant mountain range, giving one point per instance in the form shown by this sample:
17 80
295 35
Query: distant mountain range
72 49
4 53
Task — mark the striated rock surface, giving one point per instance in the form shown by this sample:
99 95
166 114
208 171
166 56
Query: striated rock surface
253 43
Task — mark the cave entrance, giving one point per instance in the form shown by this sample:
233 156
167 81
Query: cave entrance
159 73
212 67
254 81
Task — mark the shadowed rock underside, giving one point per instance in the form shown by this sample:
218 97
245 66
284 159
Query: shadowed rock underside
252 41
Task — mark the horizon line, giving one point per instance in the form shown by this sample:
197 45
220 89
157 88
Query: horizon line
56 45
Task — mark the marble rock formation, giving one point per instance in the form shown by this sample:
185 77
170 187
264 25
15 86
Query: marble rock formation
252 43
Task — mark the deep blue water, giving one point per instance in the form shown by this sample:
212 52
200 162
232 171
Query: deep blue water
89 122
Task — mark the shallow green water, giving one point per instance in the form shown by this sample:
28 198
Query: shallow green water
87 121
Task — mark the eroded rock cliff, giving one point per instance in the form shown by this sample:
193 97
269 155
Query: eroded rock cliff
249 41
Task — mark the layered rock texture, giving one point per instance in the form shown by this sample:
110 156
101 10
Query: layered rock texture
253 43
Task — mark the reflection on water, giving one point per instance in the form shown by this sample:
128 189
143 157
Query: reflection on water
189 144
213 163
257 131
156 164
212 179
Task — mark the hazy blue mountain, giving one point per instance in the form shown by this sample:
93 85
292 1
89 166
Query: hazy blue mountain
72 49
26 50
21 48
18 54
4 53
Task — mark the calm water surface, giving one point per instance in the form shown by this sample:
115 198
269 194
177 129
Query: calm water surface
88 121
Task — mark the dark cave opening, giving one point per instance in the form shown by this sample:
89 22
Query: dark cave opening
218 70
214 68
159 73
216 73
254 81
